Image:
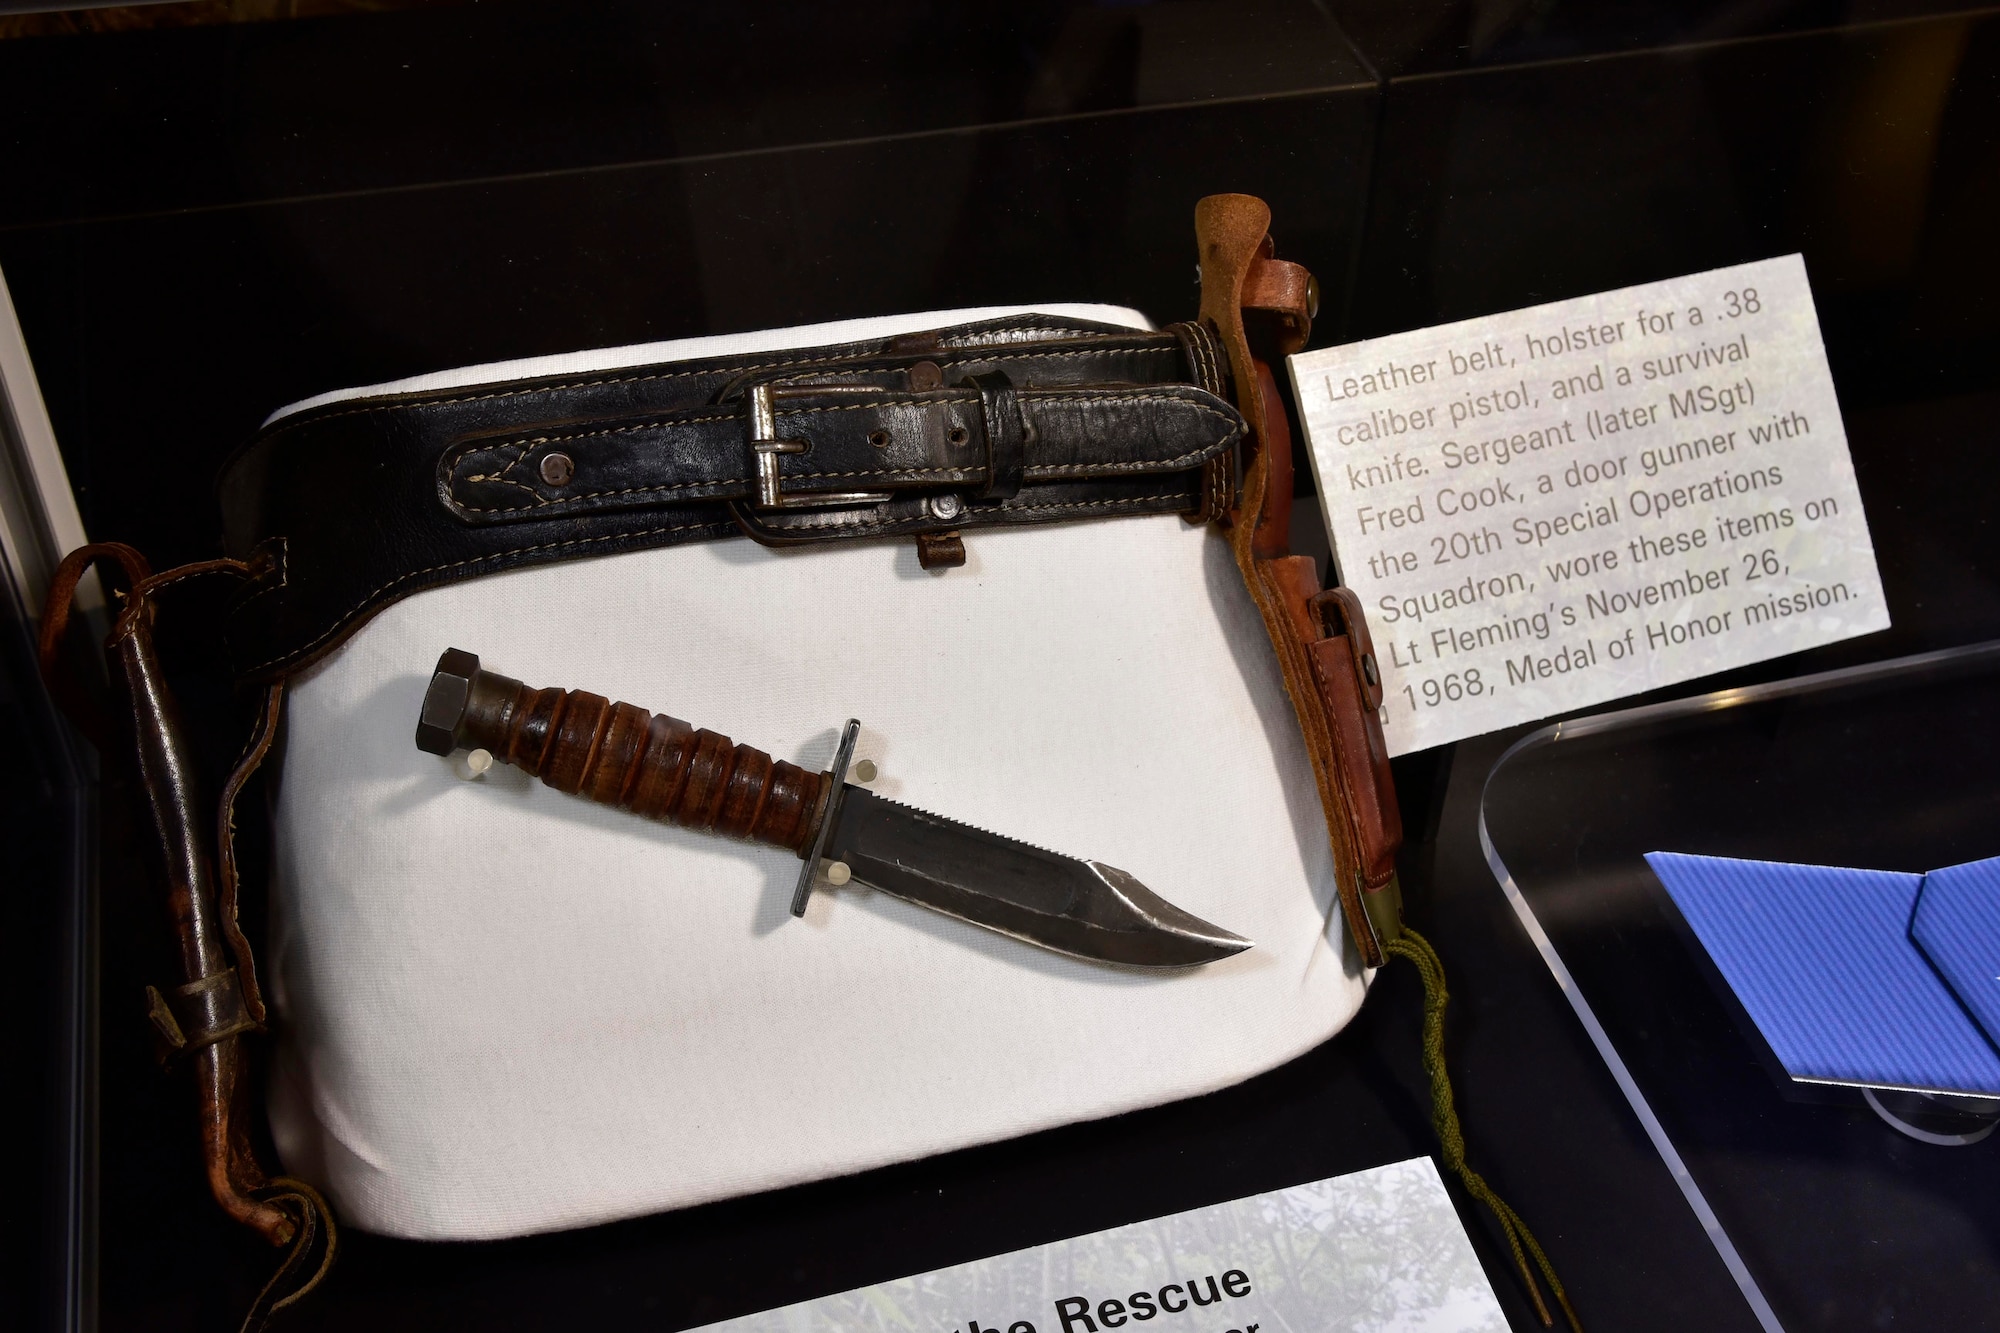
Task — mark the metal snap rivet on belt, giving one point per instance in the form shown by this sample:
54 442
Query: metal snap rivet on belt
557 469
879 438
1368 669
926 375
838 873
946 507
863 770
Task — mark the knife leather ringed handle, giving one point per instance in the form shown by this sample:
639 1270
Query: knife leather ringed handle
620 755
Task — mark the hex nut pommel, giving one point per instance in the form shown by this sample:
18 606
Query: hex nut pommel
459 689
445 700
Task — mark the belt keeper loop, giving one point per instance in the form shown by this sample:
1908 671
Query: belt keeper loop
200 1013
1006 434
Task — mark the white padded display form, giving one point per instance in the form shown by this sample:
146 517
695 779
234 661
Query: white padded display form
505 1010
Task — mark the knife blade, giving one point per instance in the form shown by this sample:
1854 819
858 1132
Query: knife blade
661 768
1073 906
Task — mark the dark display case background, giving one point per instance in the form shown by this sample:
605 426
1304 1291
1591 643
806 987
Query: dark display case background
208 224
199 225
1874 151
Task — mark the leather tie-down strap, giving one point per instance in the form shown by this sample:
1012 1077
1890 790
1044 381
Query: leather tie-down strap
1325 655
203 1021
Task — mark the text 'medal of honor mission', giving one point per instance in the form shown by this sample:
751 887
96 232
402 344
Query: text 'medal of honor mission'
1563 505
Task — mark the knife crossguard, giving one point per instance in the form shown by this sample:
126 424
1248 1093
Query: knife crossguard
620 755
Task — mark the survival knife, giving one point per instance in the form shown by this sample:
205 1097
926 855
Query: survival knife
661 768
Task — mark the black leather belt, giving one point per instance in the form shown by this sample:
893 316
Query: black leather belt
347 507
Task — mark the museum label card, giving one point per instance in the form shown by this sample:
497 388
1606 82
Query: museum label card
1376 1250
1563 505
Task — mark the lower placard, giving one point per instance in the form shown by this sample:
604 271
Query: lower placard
1375 1250
1559 506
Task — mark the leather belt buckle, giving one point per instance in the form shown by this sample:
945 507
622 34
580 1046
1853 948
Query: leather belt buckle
767 446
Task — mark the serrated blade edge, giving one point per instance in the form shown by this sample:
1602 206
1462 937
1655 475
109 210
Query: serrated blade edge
1073 906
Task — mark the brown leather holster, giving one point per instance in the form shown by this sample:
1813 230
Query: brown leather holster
1261 308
